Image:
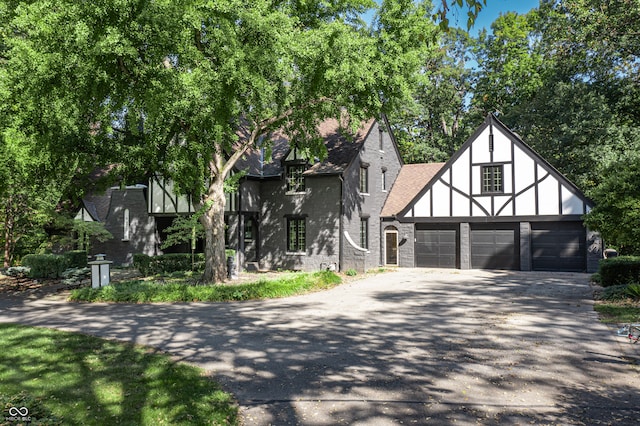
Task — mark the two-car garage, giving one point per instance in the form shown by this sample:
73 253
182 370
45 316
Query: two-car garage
545 246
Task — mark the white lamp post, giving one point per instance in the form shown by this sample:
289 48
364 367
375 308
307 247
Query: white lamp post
100 271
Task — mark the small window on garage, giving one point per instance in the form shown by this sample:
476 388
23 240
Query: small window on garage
492 179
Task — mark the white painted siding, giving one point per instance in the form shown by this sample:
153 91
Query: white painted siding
525 168
501 146
526 203
460 205
423 206
441 200
480 150
461 173
548 197
571 203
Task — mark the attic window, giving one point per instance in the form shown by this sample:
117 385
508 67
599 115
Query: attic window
492 181
295 178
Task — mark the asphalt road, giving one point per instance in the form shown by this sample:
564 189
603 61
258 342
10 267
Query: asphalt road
416 346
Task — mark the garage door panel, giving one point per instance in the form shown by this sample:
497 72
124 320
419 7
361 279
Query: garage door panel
558 247
493 249
436 248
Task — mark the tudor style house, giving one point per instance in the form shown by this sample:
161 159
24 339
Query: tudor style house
496 204
288 212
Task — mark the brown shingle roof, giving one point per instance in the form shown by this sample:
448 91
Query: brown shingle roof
341 150
410 181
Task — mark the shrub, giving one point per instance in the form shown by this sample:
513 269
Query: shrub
17 271
619 270
633 291
351 272
75 275
45 265
614 293
167 263
76 258
142 263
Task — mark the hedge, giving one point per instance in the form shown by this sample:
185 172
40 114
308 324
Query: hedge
76 258
619 270
45 265
152 265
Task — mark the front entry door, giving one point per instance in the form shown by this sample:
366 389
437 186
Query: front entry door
391 247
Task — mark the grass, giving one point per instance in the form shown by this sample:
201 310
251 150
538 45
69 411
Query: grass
618 304
67 378
181 290
618 312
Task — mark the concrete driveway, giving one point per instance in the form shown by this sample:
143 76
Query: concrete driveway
416 346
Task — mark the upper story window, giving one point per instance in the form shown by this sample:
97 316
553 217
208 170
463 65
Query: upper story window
363 186
492 179
384 179
295 178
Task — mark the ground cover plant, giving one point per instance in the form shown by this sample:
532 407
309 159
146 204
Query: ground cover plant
181 289
66 378
618 304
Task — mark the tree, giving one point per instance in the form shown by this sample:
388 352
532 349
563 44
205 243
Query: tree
433 126
186 87
617 205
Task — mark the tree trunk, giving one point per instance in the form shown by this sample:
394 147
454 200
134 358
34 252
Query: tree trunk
215 269
8 234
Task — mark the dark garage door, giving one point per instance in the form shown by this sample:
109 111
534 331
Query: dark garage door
558 246
436 248
493 247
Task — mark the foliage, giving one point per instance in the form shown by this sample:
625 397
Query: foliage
89 231
351 272
433 126
619 270
50 372
616 213
149 292
152 265
73 276
633 291
184 229
17 271
76 258
186 88
614 293
45 265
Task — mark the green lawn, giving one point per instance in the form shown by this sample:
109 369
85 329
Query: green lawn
65 379
180 290
618 312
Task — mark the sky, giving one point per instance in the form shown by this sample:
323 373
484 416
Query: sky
489 13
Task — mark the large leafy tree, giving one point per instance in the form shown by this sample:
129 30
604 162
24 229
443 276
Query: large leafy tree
433 125
187 87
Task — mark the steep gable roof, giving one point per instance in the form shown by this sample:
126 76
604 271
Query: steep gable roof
342 148
410 181
532 186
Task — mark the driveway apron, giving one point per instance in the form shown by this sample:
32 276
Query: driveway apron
416 346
